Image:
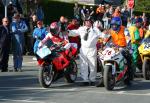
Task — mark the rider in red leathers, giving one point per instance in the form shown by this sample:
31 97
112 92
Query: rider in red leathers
56 39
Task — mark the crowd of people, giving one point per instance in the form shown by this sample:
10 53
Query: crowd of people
85 28
16 32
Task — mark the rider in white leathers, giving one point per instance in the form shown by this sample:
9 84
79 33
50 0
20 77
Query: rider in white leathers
88 52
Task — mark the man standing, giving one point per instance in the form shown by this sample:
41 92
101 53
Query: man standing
76 11
4 45
18 28
88 52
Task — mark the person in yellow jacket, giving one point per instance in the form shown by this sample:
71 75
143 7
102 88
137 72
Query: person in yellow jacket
147 33
135 41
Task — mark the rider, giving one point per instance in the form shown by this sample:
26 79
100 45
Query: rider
53 35
118 36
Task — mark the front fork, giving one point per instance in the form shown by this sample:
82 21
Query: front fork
113 67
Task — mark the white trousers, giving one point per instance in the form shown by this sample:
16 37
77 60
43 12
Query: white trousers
88 63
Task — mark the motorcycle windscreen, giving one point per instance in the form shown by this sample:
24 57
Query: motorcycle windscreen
43 52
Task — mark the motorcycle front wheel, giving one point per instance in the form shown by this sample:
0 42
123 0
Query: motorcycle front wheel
72 75
146 68
46 75
109 79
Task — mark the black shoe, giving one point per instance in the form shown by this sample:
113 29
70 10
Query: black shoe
15 70
84 84
6 70
92 84
100 83
19 70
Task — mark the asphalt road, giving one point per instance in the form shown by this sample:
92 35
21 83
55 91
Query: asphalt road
23 87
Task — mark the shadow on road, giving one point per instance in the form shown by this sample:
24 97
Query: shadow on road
136 85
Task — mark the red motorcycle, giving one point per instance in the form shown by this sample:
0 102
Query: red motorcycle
56 62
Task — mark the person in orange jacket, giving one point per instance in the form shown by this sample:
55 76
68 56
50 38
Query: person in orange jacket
118 37
117 32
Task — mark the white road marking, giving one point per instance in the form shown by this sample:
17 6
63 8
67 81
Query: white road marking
33 62
19 88
121 93
28 101
29 88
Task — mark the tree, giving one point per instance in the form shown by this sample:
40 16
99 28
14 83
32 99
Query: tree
142 6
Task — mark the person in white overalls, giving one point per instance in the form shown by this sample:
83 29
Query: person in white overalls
88 52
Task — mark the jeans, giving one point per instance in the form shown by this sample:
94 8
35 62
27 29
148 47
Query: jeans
18 44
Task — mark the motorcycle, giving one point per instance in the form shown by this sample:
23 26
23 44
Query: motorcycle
115 68
55 63
144 51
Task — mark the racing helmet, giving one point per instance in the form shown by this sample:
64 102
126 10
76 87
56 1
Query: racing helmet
54 28
116 22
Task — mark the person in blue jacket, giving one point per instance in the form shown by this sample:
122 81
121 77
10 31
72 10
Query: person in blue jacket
39 33
18 28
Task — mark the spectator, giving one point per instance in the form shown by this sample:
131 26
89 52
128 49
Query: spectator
106 19
11 11
4 45
71 26
1 12
39 34
76 11
133 19
111 10
92 13
63 26
125 16
34 20
145 21
33 25
117 12
129 23
84 13
18 28
39 13
27 36
100 12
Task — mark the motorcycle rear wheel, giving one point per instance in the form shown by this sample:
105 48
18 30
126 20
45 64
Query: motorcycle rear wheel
146 68
46 75
72 76
109 79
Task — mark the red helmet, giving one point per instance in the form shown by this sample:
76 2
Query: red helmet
54 28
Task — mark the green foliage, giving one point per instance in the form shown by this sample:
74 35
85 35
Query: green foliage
142 6
53 10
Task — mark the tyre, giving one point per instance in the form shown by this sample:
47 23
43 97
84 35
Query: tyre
46 75
129 75
128 78
72 75
109 79
146 69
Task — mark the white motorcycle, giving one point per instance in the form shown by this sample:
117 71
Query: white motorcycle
115 68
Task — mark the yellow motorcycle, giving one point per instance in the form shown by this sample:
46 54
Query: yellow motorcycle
144 51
